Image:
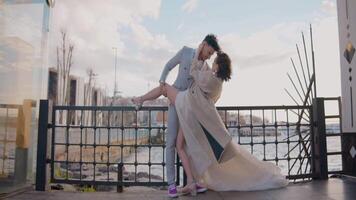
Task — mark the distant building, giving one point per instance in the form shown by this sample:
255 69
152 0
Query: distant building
80 94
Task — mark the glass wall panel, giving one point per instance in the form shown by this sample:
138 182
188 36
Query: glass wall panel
23 78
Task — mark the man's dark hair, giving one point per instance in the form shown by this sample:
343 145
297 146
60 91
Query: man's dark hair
212 41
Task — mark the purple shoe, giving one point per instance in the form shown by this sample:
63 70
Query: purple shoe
172 191
201 189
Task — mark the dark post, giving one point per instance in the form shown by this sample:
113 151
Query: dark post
177 170
184 178
42 146
319 157
119 187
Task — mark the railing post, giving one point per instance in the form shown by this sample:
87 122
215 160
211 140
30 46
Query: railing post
177 170
119 187
184 178
319 157
42 146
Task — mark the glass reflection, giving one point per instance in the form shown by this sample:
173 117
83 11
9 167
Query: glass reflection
23 74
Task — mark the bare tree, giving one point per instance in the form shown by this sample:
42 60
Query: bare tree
64 65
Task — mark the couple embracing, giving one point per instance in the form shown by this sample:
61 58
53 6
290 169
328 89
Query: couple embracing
210 158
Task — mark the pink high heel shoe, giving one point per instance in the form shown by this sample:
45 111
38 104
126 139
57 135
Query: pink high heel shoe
190 188
200 188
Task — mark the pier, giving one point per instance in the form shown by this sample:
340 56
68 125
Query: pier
332 189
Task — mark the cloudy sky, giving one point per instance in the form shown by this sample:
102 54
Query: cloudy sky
260 36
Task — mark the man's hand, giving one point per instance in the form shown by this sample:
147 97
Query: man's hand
199 50
163 88
161 83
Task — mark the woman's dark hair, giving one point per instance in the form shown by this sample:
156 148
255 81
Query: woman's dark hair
224 63
212 41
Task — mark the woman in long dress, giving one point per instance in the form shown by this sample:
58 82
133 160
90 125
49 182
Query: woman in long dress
209 155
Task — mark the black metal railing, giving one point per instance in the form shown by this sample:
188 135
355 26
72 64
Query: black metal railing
333 136
117 145
272 134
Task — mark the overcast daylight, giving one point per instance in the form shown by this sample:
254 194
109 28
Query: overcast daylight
259 36
177 99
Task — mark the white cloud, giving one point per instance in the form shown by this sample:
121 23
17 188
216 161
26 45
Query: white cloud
96 27
262 59
190 5
145 39
263 47
329 7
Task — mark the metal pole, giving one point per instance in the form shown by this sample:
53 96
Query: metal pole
115 85
313 59
42 146
320 158
119 186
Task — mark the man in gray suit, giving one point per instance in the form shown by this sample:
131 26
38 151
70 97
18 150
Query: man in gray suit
184 59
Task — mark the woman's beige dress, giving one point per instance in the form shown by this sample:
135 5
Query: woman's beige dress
216 160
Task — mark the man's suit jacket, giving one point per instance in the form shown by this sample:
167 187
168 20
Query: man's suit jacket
184 59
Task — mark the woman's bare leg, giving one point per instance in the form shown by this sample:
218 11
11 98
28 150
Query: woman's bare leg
151 95
183 156
165 90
